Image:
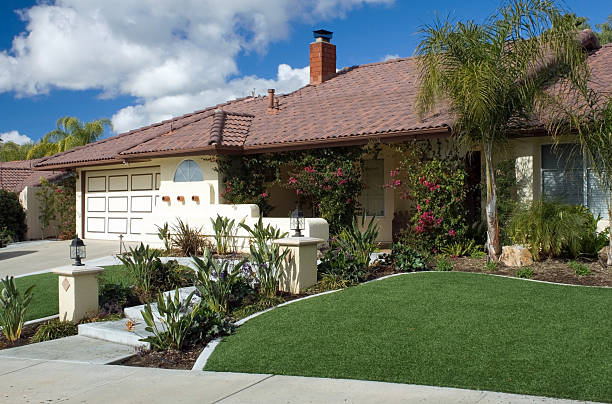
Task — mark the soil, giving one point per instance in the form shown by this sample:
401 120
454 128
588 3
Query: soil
171 359
27 332
551 270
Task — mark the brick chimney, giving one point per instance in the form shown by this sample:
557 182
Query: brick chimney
322 57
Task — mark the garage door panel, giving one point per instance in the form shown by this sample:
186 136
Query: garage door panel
95 224
142 204
118 204
96 184
96 204
117 183
136 224
117 225
142 182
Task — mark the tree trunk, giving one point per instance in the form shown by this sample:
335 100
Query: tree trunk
493 242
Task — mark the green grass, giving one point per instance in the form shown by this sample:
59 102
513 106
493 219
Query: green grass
446 329
45 293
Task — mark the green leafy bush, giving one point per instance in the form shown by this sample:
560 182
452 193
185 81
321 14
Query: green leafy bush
407 259
551 229
263 234
6 237
491 266
13 308
443 264
187 239
461 248
218 281
12 215
225 234
579 268
141 263
176 321
54 330
268 261
112 298
525 272
359 243
338 264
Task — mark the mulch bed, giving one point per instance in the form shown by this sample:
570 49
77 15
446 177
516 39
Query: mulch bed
27 332
551 270
171 359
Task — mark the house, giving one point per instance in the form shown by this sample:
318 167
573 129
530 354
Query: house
130 182
21 178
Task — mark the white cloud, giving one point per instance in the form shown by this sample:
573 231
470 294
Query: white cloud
390 57
174 56
15 137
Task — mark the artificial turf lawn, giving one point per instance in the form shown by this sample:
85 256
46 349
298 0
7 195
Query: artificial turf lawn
445 329
45 293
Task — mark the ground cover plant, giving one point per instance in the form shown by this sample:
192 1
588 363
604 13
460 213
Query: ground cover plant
447 329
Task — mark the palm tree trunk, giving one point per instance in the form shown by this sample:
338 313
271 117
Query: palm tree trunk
493 242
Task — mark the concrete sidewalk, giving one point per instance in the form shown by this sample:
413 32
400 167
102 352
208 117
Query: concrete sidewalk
23 380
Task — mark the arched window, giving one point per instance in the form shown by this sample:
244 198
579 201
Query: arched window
188 171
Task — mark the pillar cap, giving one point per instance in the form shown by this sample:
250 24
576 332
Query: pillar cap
72 270
298 241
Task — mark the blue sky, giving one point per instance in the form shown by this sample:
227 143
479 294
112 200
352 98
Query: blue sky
138 64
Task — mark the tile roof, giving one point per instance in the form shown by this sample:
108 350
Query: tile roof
359 103
16 175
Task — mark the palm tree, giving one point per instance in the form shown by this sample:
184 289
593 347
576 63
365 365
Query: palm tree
492 76
71 132
42 149
11 151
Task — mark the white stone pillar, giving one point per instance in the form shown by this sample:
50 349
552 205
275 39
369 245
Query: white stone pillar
300 271
78 292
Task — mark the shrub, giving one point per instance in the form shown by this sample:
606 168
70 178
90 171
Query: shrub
268 261
12 215
140 262
341 265
169 275
443 264
525 272
13 308
263 234
358 243
552 229
114 297
407 259
187 239
491 266
579 268
6 237
461 248
54 330
217 281
207 325
176 321
225 234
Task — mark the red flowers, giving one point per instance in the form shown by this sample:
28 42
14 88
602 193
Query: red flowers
427 221
342 181
292 180
452 233
309 169
264 195
339 172
393 173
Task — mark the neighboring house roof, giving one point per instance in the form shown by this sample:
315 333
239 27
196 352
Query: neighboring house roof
360 103
16 175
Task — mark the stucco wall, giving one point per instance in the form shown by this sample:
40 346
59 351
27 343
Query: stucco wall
32 205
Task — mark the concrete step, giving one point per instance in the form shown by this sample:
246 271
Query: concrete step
117 332
135 312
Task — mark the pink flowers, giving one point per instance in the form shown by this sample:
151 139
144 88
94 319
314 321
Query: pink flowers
298 191
348 201
292 180
342 181
427 200
264 195
397 183
309 169
452 233
326 187
393 173
339 172
427 221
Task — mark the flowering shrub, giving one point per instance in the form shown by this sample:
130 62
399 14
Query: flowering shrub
58 203
437 189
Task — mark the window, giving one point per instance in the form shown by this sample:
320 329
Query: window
567 178
188 171
373 196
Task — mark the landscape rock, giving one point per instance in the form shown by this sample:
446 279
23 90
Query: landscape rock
516 256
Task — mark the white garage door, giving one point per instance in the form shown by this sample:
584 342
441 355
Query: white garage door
120 202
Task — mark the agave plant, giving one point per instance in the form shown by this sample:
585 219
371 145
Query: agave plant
13 308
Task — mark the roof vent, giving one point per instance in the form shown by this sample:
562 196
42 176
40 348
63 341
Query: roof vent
322 35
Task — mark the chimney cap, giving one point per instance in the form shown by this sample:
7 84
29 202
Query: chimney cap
323 35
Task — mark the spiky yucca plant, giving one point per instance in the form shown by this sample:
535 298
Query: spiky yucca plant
13 308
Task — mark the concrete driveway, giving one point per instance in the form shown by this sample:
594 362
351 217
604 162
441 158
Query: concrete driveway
43 255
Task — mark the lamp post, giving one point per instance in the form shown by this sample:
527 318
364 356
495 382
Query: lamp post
77 251
297 222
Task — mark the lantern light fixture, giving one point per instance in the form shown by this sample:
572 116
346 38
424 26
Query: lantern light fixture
297 222
77 251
